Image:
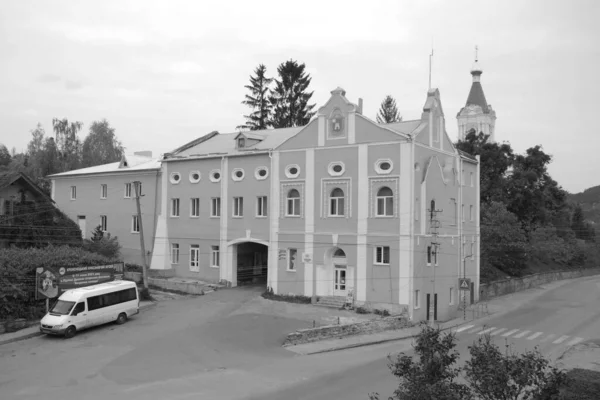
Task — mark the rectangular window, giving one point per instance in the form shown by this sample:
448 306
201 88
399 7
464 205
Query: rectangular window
453 210
472 180
291 259
174 253
195 207
471 213
135 224
214 256
261 206
336 203
429 256
451 296
73 192
382 255
174 207
215 207
195 257
417 299
238 206
140 188
128 190
293 205
103 223
385 206
103 191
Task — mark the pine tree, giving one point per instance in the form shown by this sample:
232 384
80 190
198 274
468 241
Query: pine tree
258 100
388 112
290 97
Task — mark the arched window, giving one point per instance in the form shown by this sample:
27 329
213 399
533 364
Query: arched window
385 202
336 203
293 203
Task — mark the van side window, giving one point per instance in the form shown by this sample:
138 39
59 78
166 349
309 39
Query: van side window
80 307
110 299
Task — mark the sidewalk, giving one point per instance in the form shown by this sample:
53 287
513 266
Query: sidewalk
494 307
34 330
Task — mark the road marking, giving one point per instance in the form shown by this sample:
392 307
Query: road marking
550 336
497 331
487 330
464 328
560 339
475 329
535 335
574 341
520 335
510 332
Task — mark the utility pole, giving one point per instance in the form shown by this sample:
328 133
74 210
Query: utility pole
141 228
434 225
463 292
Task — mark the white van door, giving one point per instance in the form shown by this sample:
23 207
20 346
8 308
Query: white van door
79 316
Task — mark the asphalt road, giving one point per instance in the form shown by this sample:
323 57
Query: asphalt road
204 348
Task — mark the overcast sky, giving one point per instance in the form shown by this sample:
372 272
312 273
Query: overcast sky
165 72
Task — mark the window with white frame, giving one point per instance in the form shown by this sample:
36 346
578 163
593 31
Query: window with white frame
103 223
451 296
73 192
292 171
215 207
140 188
237 174
214 256
195 257
471 212
135 224
385 202
174 207
128 190
261 173
417 302
382 255
175 177
261 206
291 259
429 255
293 203
384 166
336 203
238 206
103 191
174 253
195 207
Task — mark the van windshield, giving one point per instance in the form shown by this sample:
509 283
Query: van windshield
62 307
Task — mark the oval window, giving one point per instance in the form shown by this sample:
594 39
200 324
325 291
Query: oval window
384 166
175 177
337 168
293 170
262 172
239 174
217 175
195 176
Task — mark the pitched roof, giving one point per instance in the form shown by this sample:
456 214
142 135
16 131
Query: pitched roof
134 163
10 177
225 144
476 97
405 127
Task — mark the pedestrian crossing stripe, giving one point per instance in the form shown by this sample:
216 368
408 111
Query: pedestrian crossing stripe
483 332
463 328
520 335
528 335
535 335
560 339
510 332
497 331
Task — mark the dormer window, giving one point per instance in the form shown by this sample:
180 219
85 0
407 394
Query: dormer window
241 143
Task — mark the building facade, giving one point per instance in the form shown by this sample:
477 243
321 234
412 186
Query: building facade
379 214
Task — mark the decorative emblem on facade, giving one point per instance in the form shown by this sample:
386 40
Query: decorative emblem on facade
337 122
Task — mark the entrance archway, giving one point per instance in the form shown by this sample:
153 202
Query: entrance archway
251 263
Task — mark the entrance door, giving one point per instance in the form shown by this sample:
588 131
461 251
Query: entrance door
81 220
432 307
339 280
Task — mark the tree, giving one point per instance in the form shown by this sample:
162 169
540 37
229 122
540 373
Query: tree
5 157
103 244
388 112
510 376
258 100
67 143
433 375
290 98
100 145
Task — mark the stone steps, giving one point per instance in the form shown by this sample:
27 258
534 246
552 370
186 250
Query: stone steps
331 301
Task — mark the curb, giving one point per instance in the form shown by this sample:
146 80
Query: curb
34 334
371 343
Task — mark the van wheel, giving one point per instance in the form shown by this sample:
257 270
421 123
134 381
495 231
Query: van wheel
122 318
70 332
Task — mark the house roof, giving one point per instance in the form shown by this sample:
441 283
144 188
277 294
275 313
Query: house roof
9 178
405 127
467 156
134 163
225 143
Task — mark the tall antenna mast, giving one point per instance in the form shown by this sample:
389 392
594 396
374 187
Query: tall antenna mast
430 57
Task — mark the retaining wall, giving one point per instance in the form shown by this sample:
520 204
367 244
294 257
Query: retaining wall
490 290
338 331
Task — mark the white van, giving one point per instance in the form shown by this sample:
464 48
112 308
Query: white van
82 308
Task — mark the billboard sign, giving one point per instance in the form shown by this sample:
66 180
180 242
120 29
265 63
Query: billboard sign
51 283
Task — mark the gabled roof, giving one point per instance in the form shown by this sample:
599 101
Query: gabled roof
404 127
134 163
9 178
225 144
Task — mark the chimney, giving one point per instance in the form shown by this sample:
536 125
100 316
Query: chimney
143 153
360 104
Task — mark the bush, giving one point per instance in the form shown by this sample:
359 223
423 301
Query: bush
134 268
145 294
103 244
361 310
17 274
290 298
